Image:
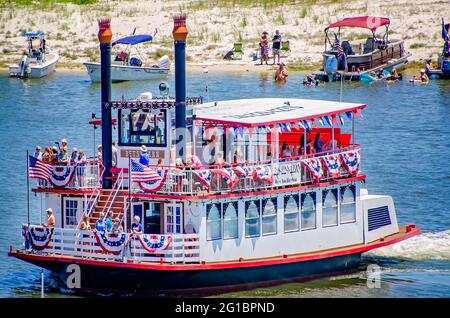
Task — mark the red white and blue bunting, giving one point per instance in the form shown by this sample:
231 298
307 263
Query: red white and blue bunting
61 175
332 165
153 243
314 166
40 236
111 243
228 174
351 160
244 171
153 186
263 173
205 177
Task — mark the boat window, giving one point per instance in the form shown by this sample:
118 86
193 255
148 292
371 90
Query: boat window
213 222
230 220
291 213
308 210
269 216
142 126
329 208
348 209
252 218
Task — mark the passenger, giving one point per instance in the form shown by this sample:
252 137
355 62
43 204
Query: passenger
264 45
63 157
394 76
108 222
309 80
47 156
74 157
296 152
80 161
160 166
276 46
286 151
54 154
136 227
144 159
38 153
114 154
50 218
116 227
64 145
380 74
100 223
219 161
85 224
238 158
281 74
99 153
318 144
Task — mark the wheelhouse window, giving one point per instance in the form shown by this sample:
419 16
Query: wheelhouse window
308 210
143 126
329 207
291 212
230 220
269 216
213 222
348 209
252 218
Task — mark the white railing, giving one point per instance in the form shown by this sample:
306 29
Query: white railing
84 177
285 173
183 248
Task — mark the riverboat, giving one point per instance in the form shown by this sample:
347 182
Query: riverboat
258 216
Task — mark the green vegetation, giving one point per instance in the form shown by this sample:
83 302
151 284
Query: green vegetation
46 2
266 4
417 45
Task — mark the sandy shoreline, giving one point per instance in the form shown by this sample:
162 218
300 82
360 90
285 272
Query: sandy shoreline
213 28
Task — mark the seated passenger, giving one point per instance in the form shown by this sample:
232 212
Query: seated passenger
318 144
286 151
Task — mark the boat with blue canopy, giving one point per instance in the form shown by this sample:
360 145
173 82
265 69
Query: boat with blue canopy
37 61
128 65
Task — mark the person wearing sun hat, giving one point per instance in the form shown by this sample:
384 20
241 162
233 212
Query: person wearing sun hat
144 159
264 45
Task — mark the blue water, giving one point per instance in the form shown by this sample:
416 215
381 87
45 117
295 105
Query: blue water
405 137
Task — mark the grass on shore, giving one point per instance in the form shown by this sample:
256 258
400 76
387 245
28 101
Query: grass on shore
46 2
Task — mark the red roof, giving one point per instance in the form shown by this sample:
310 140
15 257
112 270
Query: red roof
371 23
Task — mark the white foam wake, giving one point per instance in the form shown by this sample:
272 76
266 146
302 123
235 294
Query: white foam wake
433 246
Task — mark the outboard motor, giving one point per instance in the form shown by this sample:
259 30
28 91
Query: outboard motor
164 62
331 67
24 66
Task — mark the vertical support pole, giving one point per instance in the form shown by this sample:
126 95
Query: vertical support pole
180 33
28 188
332 133
304 142
104 37
353 129
40 215
42 283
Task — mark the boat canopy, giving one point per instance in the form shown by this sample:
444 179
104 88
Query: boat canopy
133 39
33 35
367 22
269 111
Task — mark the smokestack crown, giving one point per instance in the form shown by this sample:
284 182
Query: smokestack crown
180 31
104 30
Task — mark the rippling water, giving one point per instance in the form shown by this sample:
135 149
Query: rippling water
405 137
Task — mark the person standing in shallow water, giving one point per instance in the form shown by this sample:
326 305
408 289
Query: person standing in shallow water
281 73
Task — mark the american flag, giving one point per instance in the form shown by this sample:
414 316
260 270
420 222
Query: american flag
337 46
39 169
141 173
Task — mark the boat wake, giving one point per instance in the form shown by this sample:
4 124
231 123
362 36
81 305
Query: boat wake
426 246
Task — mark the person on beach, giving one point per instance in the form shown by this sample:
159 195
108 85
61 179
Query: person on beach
50 218
276 46
264 45
281 74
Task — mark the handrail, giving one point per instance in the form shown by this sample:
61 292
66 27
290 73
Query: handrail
118 184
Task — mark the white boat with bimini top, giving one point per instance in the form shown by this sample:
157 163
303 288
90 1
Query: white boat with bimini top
209 196
37 61
131 68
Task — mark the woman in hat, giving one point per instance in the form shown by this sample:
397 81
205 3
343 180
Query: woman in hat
50 218
264 44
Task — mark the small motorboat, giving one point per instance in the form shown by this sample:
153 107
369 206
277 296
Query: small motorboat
37 61
443 61
126 67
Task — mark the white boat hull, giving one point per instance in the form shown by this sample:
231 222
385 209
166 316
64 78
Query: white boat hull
36 70
121 73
